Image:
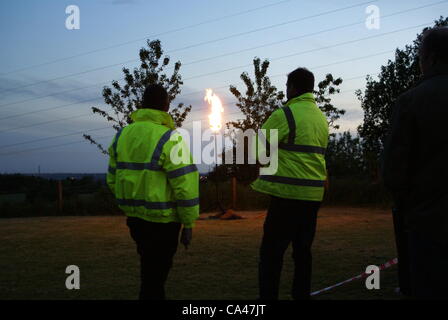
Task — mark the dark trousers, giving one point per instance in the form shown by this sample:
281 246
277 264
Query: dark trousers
429 263
156 245
287 221
402 245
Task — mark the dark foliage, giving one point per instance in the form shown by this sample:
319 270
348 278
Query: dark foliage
124 99
379 97
258 102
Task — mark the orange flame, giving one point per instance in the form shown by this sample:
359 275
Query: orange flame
215 116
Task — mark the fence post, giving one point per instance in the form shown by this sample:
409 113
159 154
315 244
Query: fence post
234 193
60 196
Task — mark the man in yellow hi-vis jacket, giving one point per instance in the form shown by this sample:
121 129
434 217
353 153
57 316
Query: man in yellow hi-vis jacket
156 190
296 188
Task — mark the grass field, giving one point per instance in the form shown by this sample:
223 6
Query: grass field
220 264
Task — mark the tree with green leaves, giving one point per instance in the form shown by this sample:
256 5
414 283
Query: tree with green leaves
261 98
123 99
325 89
257 104
345 156
379 96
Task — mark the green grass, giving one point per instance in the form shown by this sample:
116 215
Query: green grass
220 264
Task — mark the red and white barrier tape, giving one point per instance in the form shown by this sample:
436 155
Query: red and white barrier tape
360 276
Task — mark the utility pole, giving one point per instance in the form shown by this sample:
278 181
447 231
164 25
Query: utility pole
218 202
215 125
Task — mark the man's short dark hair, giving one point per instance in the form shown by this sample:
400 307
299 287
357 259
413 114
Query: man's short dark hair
155 97
302 80
435 42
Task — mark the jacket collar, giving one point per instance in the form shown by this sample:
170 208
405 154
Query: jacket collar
304 97
156 116
437 70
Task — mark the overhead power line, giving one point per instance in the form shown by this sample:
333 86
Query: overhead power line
195 45
74 142
316 67
48 109
274 76
239 51
248 65
185 123
58 136
194 110
48 147
307 51
53 94
97 138
46 122
70 143
146 37
53 137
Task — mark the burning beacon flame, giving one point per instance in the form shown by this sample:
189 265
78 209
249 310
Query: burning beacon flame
214 117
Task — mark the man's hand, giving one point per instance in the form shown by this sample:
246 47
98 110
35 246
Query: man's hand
185 238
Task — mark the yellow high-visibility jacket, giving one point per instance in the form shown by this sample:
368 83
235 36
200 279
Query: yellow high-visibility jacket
147 183
303 138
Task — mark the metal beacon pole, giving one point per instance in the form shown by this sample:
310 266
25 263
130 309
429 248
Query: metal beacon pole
215 125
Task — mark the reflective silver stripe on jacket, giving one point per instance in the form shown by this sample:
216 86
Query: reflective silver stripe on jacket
114 146
158 150
137 166
302 148
293 181
290 146
181 171
154 164
158 205
188 203
146 204
291 124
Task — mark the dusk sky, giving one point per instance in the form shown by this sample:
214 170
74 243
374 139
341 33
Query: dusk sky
43 65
